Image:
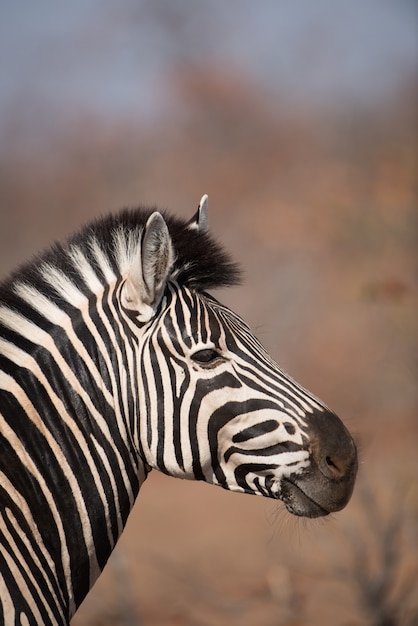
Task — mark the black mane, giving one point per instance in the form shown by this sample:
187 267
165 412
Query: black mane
200 262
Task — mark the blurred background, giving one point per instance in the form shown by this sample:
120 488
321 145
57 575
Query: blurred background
299 120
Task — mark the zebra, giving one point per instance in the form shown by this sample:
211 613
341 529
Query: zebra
115 360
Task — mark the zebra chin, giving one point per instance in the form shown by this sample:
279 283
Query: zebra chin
302 500
298 503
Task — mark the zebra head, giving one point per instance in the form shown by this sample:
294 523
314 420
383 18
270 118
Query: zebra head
114 359
218 408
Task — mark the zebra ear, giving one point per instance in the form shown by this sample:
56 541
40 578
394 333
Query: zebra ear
146 280
199 220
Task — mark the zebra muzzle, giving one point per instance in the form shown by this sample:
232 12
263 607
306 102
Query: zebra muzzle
326 485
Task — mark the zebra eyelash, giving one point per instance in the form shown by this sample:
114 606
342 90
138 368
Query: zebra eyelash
207 357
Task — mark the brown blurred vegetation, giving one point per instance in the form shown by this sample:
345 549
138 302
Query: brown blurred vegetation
321 209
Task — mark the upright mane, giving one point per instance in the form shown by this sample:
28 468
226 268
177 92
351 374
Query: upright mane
200 262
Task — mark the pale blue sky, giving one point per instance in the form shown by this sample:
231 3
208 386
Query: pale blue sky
115 58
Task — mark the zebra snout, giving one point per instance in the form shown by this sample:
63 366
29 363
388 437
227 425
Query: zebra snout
327 484
333 461
332 447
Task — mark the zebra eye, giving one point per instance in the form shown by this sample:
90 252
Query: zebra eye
206 356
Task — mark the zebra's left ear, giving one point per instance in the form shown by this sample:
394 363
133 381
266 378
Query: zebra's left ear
199 220
147 277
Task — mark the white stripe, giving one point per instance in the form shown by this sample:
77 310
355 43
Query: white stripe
7 603
23 506
8 384
127 248
16 444
85 269
62 285
18 558
58 317
102 260
115 499
29 330
21 583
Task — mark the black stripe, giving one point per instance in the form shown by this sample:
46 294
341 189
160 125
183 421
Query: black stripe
242 471
256 431
278 448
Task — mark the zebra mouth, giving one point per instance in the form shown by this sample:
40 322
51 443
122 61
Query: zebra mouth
298 502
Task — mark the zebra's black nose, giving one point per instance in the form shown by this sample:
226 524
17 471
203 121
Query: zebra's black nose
333 447
329 481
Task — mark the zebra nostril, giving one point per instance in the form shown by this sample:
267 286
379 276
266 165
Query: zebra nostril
333 449
331 467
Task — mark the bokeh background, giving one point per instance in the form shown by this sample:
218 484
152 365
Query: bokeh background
299 120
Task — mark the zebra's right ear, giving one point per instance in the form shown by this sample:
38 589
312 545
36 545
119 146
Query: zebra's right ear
199 220
151 266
